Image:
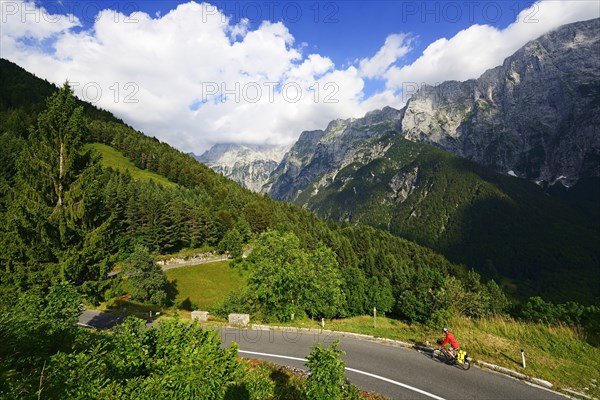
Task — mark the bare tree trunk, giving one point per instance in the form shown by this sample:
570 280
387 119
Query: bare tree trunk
61 171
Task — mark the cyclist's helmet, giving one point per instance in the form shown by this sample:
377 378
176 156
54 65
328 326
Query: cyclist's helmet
445 330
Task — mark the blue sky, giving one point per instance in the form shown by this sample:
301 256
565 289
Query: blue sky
195 74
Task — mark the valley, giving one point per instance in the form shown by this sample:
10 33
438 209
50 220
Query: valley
474 205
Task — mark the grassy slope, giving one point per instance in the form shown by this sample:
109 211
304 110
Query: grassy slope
116 160
204 284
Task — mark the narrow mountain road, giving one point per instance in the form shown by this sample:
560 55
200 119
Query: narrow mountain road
395 372
195 261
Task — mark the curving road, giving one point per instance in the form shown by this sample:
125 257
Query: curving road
395 372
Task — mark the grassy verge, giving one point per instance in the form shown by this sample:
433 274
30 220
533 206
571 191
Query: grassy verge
116 160
558 354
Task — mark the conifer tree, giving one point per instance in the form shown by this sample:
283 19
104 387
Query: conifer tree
56 224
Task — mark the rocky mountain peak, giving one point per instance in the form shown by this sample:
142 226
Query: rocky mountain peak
538 114
249 165
323 153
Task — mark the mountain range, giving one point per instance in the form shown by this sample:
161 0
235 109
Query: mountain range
500 173
537 115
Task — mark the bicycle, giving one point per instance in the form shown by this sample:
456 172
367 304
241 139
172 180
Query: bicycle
461 360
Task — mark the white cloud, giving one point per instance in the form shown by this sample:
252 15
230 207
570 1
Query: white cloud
167 75
25 26
480 47
23 19
395 46
241 29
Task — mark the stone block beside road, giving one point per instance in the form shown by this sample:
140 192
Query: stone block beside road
201 316
239 319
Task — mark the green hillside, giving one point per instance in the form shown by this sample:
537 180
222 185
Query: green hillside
495 224
507 228
105 214
114 159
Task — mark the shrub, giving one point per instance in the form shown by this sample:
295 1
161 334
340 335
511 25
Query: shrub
327 380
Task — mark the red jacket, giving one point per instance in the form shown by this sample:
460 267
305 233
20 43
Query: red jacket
450 338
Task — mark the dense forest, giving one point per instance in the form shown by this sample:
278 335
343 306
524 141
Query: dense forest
66 220
532 240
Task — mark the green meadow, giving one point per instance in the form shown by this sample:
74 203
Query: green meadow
116 160
201 286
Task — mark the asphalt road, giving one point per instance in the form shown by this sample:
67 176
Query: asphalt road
395 372
97 319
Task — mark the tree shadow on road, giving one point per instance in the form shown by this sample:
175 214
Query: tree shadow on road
102 321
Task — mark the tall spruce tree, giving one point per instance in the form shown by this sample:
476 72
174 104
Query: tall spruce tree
55 225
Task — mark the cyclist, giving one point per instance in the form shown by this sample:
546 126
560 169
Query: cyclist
449 337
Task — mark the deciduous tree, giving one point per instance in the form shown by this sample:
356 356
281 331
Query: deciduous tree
146 280
288 279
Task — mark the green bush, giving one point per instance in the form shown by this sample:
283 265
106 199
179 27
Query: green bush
569 313
235 302
39 324
254 383
327 380
286 278
147 282
176 361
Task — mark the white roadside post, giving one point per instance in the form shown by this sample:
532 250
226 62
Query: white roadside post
523 357
375 317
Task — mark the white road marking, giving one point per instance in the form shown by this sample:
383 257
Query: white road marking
404 385
272 355
414 389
